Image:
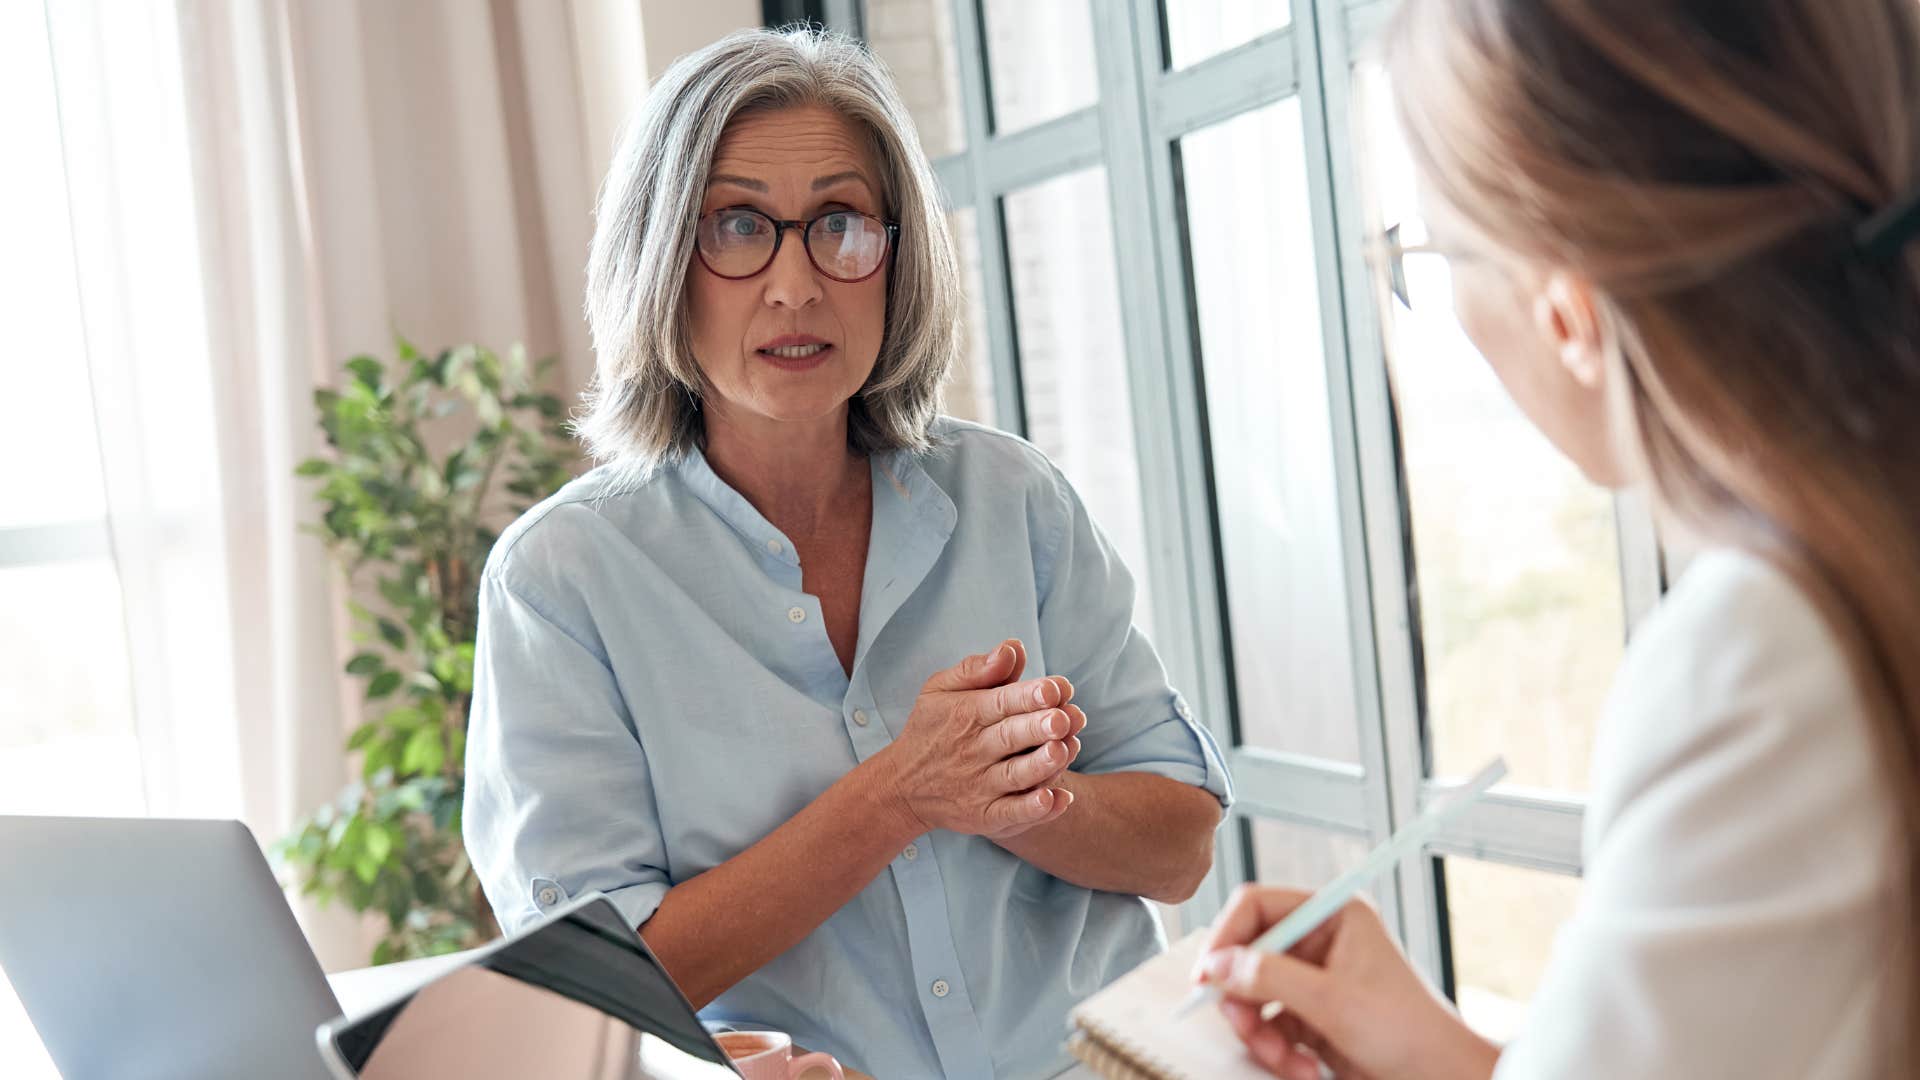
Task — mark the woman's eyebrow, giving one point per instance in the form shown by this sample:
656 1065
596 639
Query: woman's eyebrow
738 181
825 182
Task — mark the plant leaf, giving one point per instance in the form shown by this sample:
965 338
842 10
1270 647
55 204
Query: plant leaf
425 753
383 684
379 842
367 370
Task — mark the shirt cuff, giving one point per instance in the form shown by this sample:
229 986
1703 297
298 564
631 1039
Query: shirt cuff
1183 751
639 902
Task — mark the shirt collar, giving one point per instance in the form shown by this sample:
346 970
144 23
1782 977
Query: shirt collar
903 495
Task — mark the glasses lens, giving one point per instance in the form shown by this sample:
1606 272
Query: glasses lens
847 246
736 243
1425 280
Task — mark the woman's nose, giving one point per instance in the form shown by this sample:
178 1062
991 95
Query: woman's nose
791 279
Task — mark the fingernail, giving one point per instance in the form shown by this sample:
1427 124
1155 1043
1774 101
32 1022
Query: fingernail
1056 724
1216 966
1040 694
1004 652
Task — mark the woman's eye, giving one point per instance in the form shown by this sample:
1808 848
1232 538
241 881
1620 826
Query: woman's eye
743 225
839 223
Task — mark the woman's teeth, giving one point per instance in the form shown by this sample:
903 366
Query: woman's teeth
795 352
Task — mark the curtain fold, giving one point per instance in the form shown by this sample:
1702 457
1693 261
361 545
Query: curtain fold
260 191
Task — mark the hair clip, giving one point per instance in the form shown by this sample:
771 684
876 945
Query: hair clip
1883 235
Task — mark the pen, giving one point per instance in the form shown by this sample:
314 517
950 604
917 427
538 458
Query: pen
1321 906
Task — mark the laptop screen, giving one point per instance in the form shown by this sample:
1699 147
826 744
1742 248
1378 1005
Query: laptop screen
579 998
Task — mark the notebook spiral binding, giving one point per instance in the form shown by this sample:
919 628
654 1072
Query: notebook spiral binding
1116 1059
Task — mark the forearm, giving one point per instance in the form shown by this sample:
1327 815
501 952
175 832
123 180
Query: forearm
1126 832
715 929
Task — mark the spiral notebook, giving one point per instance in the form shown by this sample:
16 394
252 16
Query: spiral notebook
1127 1031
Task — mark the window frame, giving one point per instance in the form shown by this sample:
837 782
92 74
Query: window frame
1133 130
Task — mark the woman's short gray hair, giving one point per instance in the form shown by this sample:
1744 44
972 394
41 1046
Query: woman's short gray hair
642 409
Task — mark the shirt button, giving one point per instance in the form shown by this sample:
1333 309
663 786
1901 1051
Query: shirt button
940 988
796 615
549 895
773 547
912 852
860 717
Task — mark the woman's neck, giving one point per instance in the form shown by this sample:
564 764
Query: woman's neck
797 474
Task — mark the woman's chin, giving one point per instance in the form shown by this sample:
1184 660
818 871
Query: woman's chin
792 406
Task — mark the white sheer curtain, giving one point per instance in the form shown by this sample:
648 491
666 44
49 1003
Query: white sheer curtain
257 192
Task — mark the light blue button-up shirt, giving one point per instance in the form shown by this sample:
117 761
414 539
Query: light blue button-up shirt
654 693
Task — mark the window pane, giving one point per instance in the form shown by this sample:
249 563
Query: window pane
1197 29
1500 926
1515 554
970 389
49 455
1039 60
1250 234
914 38
67 741
1073 363
1300 856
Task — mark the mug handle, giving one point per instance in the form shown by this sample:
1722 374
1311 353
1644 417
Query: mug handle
815 1060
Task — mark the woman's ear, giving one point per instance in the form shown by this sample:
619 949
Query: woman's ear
1564 314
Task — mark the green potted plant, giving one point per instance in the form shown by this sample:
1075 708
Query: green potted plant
414 523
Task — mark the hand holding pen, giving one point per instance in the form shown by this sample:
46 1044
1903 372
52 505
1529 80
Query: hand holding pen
1337 972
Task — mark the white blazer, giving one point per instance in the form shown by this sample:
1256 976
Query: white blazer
1740 843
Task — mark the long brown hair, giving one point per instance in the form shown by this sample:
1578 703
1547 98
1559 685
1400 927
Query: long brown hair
1707 166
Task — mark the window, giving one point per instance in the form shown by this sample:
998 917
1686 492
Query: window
1348 530
67 741
67 737
1073 373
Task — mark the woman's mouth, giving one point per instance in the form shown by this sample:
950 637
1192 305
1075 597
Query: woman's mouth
799 356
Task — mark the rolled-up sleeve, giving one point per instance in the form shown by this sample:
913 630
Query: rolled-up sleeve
1136 722
558 798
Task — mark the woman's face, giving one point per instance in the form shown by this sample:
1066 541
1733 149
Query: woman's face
791 164
1540 331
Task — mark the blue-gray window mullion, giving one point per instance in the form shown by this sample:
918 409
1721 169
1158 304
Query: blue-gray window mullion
1009 405
1168 402
1367 468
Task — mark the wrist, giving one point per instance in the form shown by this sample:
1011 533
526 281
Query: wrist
1472 1056
882 792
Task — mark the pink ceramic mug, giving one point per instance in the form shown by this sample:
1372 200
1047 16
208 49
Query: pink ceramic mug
768 1055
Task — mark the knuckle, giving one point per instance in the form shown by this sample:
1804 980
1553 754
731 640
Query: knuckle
1009 700
1009 774
1007 738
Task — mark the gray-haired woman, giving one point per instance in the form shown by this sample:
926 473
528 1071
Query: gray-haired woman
725 678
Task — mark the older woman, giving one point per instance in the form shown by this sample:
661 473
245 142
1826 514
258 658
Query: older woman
837 699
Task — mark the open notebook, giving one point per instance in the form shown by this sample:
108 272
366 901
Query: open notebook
1127 1031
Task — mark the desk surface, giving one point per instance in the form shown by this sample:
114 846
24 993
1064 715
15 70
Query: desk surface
360 990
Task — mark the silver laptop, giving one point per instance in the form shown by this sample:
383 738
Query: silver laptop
157 949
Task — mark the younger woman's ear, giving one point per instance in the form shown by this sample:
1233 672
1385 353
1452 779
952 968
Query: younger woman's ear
1564 314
